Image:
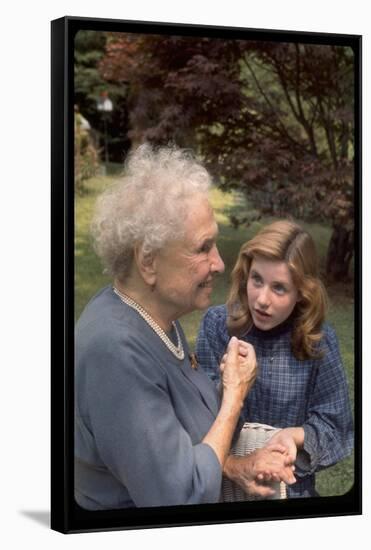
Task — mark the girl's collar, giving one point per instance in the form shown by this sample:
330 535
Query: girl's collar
283 328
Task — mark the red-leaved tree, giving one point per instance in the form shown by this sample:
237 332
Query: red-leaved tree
272 119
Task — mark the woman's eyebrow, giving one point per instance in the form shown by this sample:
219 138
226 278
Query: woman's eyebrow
207 240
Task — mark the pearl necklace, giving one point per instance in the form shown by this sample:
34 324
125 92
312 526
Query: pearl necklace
178 350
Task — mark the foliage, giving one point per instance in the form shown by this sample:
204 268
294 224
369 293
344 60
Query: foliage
86 154
89 85
165 103
273 119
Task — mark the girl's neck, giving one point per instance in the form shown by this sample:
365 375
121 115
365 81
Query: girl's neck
278 330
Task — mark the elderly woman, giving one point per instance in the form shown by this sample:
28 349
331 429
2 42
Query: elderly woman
151 428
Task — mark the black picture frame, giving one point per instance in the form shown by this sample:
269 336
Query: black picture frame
66 515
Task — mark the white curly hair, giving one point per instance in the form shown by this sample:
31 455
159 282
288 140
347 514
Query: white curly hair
147 206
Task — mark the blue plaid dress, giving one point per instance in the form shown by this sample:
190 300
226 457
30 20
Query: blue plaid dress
288 392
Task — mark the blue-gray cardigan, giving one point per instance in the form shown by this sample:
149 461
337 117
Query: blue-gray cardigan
141 415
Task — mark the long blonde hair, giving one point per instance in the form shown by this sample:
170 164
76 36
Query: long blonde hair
283 241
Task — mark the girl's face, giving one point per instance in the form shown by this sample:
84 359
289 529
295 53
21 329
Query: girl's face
271 292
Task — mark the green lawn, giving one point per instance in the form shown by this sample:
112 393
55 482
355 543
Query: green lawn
89 278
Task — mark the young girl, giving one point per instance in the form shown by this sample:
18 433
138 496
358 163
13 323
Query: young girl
277 303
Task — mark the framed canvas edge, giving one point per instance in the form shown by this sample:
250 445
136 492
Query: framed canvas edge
66 516
58 252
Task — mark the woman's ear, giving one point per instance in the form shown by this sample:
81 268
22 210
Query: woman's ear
146 265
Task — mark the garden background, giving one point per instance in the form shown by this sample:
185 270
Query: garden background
273 122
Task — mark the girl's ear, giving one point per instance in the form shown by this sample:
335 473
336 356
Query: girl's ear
146 265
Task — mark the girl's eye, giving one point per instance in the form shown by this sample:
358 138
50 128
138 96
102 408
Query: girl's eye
279 289
257 280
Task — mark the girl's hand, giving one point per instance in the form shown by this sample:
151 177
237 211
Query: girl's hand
290 438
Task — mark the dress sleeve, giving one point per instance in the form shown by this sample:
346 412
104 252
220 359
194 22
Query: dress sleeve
329 425
212 341
138 436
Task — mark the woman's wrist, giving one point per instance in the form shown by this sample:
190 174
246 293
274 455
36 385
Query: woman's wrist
231 467
232 403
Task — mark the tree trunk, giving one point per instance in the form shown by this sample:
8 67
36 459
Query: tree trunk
339 253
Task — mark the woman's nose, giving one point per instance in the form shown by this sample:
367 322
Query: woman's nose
216 262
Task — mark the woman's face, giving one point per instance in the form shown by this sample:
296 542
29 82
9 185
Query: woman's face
271 292
185 269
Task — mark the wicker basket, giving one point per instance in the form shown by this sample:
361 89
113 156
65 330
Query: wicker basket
253 436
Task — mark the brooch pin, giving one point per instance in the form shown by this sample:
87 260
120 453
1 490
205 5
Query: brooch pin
193 360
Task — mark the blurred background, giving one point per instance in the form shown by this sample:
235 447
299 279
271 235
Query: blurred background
272 121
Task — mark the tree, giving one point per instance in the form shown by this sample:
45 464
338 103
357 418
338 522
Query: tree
313 119
272 119
90 47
